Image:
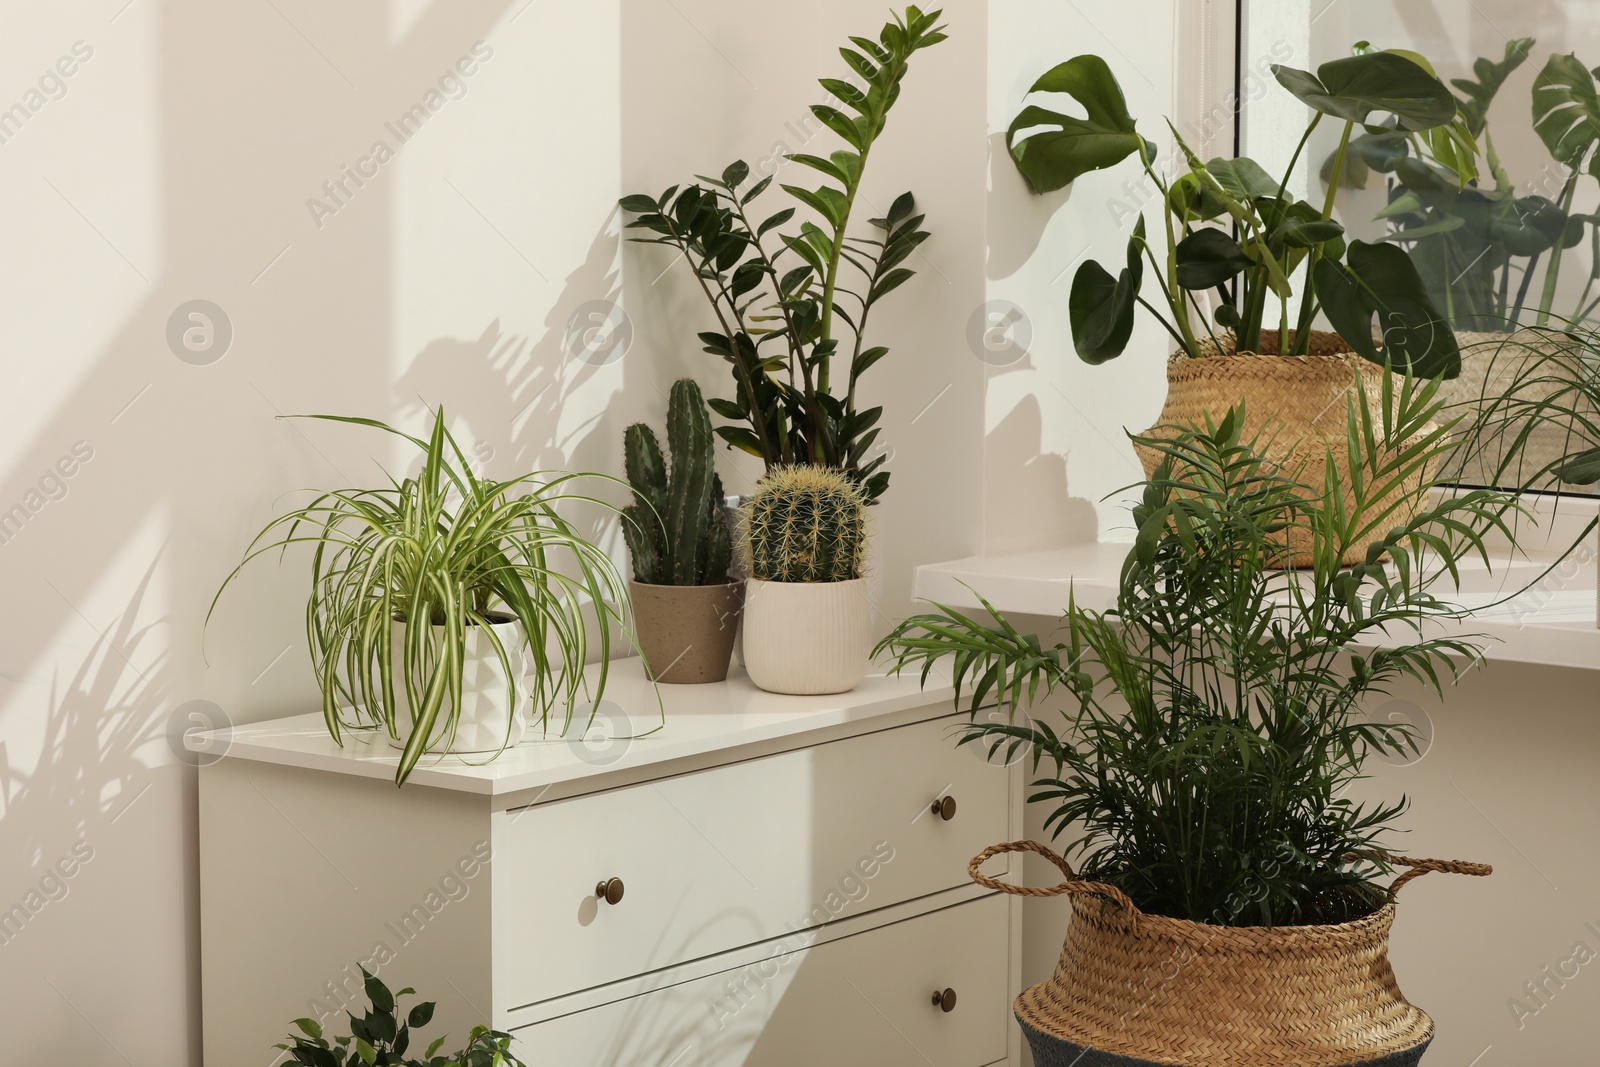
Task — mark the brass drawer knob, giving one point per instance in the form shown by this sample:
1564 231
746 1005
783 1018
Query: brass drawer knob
945 999
945 808
609 890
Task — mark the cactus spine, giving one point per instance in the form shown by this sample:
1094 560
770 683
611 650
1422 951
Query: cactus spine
674 527
805 524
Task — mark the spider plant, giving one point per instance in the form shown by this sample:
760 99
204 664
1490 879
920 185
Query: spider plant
1214 716
434 556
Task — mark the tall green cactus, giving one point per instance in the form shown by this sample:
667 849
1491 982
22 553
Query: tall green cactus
805 524
674 527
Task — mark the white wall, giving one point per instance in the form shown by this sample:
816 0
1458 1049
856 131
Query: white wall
1056 444
177 166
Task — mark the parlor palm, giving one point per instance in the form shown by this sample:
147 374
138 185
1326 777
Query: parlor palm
1214 716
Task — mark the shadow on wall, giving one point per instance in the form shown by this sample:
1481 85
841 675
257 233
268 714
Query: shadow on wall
1044 512
251 122
74 872
508 393
1017 218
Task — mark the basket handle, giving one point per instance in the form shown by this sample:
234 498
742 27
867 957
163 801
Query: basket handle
1420 867
1073 886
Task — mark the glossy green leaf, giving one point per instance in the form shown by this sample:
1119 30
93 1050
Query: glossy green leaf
1101 307
1070 147
1354 88
1480 91
1378 293
1566 109
1582 469
1208 257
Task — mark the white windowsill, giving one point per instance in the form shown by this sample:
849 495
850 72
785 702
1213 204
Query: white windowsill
1552 623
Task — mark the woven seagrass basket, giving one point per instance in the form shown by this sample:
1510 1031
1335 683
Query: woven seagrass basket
1528 362
1297 404
1137 990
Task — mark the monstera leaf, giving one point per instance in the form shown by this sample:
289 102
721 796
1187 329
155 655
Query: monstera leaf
1566 111
1101 307
1377 290
1368 152
1355 87
1243 179
1582 469
1529 225
1053 158
1490 77
1208 257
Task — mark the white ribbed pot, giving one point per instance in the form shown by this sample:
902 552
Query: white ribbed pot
807 637
486 722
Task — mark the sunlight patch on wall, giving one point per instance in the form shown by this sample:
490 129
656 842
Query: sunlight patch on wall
79 180
505 184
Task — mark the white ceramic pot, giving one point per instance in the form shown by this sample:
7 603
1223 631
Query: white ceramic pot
486 722
807 637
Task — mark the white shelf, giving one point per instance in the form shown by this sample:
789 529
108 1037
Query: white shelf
1552 624
700 719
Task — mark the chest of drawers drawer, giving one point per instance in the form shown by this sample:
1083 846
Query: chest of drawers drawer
734 855
861 1001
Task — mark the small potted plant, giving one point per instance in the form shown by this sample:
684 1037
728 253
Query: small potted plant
1231 905
685 607
381 1036
431 596
1237 239
792 307
807 616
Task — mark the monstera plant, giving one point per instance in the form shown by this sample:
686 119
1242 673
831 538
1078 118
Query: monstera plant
1236 230
1476 241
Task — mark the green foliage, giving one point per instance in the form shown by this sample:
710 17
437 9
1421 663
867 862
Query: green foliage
675 528
1470 240
382 1036
1067 147
1541 382
1232 228
1377 290
1214 717
436 554
778 304
1566 112
1352 88
1479 92
805 524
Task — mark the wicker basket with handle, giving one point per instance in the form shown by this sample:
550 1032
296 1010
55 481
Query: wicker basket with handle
1133 990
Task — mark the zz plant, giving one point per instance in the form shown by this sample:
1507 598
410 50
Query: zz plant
675 528
805 524
435 555
788 314
1214 717
1232 228
381 1037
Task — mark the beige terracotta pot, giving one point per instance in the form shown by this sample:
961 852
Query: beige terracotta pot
1298 404
686 631
807 637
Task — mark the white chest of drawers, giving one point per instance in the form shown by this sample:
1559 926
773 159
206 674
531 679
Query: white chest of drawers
789 897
